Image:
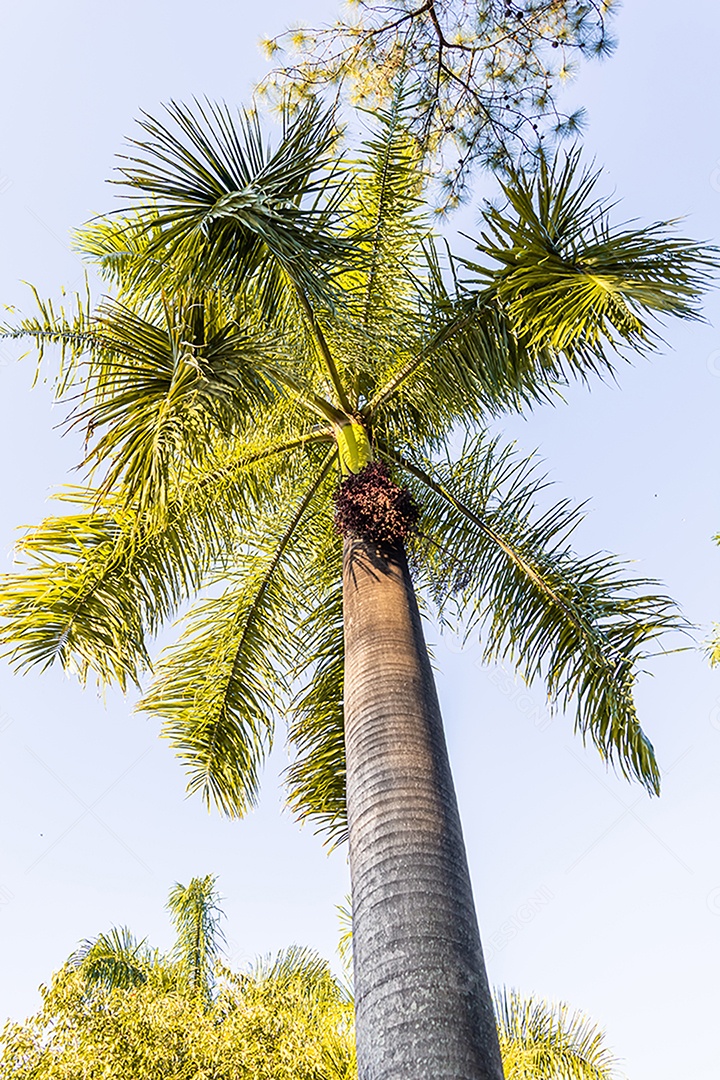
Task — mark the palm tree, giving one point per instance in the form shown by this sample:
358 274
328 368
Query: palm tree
196 914
282 325
116 960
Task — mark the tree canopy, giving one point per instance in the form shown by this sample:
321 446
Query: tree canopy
279 318
120 1008
289 1019
483 75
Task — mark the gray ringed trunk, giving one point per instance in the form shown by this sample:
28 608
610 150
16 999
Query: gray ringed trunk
423 1006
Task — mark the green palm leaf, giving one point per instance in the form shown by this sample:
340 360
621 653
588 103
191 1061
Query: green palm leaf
160 394
55 325
316 778
300 966
508 569
113 961
127 251
571 282
468 366
543 1041
387 212
222 203
219 688
565 292
387 224
99 583
91 592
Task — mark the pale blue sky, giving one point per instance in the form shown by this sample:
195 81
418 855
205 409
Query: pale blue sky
586 889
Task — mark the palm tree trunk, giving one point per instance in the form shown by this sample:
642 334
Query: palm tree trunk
423 1005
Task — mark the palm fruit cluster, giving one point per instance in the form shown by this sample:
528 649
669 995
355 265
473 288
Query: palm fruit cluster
370 506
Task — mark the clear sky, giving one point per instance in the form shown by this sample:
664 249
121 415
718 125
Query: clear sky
587 890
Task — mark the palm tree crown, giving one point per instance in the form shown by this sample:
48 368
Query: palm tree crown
280 320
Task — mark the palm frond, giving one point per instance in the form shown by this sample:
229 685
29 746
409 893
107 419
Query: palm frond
501 566
91 592
387 211
387 224
299 966
570 281
99 582
159 393
549 1041
344 913
467 366
566 291
127 251
222 203
316 778
272 319
715 646
113 961
374 307
156 385
218 689
56 324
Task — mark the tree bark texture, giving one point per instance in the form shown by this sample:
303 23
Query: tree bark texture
423 1006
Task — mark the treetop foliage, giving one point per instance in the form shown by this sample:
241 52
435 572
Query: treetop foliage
262 322
483 75
120 1008
289 1019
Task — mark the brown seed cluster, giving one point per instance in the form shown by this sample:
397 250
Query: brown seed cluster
370 506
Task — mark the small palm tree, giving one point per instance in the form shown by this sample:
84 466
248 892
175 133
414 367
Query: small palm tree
196 914
118 961
114 960
285 360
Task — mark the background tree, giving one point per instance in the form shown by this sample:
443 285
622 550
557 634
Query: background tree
483 74
118 961
120 1007
196 916
282 321
549 1041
